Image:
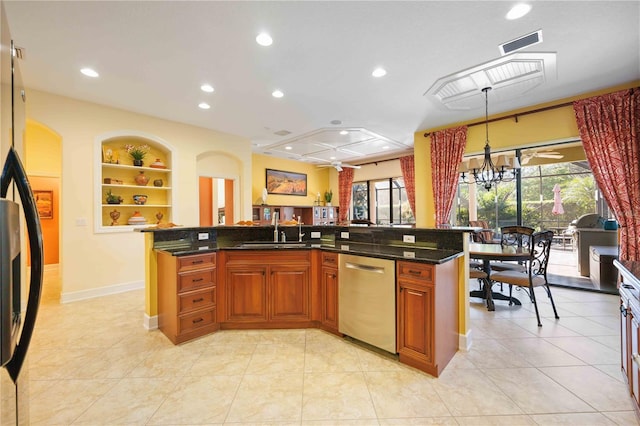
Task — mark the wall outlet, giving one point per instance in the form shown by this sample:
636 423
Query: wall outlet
316 234
344 247
203 236
344 235
81 221
408 238
409 254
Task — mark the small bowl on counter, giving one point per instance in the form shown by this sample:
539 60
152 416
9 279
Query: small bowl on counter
140 199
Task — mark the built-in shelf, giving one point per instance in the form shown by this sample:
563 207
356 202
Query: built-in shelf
113 163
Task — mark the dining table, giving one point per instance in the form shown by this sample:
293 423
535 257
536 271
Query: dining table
496 252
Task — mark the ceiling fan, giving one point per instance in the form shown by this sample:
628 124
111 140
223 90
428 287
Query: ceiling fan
339 165
527 155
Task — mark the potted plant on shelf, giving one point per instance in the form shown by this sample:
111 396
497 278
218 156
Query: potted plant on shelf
328 196
137 153
113 198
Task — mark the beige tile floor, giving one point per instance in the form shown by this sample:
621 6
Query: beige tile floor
93 363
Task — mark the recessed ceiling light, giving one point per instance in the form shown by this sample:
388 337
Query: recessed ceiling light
264 39
207 88
335 122
288 148
204 105
385 147
379 72
344 132
518 11
89 72
277 94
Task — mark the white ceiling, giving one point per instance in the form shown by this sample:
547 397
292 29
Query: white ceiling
153 56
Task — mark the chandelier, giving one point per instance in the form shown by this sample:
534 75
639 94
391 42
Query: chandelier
487 174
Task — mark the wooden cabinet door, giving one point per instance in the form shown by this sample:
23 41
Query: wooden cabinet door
635 359
289 293
246 293
415 320
329 287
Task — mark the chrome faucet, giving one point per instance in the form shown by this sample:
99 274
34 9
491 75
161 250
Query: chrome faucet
300 234
275 231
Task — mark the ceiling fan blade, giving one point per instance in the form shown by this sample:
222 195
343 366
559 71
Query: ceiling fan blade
338 168
550 155
350 166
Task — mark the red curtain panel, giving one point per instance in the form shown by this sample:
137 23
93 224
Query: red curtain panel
407 166
447 147
609 127
345 182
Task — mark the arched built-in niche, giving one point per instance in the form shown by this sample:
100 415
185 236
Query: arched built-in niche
218 166
116 175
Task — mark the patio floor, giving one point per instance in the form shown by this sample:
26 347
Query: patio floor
563 269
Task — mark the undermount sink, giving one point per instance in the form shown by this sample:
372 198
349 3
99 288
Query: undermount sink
272 245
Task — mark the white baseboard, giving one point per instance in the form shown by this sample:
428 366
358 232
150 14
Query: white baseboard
465 341
75 296
150 323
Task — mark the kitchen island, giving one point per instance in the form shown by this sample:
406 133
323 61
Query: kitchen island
200 280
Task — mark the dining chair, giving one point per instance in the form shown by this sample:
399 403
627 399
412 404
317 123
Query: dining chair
536 271
486 235
515 236
482 277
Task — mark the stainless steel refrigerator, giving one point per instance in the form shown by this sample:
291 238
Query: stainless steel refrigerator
19 299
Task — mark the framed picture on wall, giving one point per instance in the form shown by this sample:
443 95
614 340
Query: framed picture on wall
44 203
286 183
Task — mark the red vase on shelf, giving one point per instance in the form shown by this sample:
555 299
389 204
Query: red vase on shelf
142 179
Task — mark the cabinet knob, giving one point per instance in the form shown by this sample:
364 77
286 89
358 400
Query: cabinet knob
197 320
195 280
201 299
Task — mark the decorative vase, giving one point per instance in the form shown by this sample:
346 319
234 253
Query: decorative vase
137 163
159 216
141 179
139 199
158 164
158 182
115 215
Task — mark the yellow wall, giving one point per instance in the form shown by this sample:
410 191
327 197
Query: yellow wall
90 262
553 125
318 180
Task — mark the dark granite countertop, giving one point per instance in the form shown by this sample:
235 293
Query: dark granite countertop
419 254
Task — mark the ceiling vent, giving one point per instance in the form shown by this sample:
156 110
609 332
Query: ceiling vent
520 43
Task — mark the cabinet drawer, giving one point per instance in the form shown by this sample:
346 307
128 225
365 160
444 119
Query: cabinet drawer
205 260
197 300
330 259
194 280
416 271
196 320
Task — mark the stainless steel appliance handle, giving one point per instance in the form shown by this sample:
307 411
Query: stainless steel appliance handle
13 170
366 268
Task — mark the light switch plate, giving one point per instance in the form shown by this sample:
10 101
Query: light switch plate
409 254
344 247
408 238
344 235
316 234
203 235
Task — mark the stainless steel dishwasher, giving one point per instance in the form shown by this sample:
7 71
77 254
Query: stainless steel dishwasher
367 300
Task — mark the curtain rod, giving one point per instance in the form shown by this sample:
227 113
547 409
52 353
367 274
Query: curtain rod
533 111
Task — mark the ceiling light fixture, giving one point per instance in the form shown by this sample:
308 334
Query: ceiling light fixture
277 94
518 11
207 88
488 173
264 39
379 72
344 132
288 148
89 72
204 105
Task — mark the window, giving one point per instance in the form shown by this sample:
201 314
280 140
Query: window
383 202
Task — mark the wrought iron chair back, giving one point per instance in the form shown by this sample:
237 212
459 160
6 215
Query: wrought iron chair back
540 248
519 236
